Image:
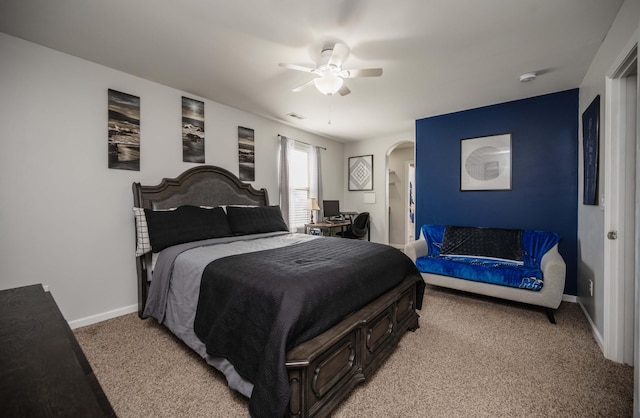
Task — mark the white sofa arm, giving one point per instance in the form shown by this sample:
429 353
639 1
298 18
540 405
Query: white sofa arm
416 249
554 271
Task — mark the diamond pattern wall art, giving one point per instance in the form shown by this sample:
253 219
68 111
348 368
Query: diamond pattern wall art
361 172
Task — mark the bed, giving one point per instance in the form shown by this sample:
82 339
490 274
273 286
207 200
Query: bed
326 322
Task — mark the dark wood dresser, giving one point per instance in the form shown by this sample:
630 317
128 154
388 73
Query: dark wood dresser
43 371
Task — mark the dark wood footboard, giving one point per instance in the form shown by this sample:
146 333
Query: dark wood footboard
324 370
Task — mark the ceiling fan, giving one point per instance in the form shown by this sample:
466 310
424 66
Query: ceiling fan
329 72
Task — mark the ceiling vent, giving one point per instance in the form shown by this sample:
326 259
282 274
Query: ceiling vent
296 116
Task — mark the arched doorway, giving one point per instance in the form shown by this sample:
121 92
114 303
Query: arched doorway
400 190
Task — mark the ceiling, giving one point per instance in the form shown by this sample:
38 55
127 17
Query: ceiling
438 56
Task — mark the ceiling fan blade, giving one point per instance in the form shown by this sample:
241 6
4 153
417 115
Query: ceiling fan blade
340 52
297 67
304 86
365 72
344 90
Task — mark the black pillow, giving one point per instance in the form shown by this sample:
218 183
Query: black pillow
255 219
482 242
185 224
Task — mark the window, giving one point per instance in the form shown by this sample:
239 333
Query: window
301 178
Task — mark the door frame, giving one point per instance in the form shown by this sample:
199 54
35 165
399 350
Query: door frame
407 208
616 136
390 149
614 178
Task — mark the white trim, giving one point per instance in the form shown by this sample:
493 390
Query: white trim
611 291
385 232
409 180
594 329
94 319
615 135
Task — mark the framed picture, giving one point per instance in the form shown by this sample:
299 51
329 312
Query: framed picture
590 141
123 131
246 154
192 130
361 172
485 163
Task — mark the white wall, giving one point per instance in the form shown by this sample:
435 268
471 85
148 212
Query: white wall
591 218
353 200
65 218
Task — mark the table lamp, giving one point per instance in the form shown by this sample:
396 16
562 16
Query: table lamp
312 204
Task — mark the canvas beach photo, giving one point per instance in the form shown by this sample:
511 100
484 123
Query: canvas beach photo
192 130
124 131
246 154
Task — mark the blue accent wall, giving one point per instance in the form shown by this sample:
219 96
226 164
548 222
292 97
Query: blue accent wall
544 170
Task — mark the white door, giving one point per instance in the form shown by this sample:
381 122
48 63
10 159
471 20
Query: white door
630 207
622 215
620 211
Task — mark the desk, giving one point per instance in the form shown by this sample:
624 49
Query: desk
44 371
326 226
350 215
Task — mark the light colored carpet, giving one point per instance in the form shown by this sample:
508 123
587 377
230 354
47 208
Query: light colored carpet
471 357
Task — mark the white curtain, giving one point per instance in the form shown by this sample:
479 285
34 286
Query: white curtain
292 203
285 144
316 178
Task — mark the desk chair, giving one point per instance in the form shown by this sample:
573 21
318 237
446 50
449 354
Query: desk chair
359 228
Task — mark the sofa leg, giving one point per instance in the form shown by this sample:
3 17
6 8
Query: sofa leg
549 313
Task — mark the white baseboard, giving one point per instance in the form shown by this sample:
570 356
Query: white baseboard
594 330
94 319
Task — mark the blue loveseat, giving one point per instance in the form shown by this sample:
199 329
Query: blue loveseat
518 265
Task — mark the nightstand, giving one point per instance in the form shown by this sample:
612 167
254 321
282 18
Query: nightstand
44 371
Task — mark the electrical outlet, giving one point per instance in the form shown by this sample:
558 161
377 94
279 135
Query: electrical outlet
45 287
591 288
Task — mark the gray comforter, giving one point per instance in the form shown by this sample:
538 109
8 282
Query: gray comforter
173 295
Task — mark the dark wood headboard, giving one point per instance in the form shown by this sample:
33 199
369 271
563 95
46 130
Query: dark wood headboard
204 185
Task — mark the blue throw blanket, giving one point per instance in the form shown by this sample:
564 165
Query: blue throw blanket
525 274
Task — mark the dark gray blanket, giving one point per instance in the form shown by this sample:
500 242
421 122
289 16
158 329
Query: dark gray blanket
253 308
483 242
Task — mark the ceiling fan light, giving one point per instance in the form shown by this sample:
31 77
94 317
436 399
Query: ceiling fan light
329 84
